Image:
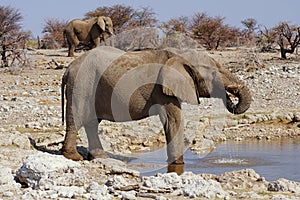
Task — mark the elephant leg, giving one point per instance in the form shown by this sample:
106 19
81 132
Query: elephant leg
170 116
69 149
71 51
95 146
72 46
96 42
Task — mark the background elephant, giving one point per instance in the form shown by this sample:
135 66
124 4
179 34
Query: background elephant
109 84
90 31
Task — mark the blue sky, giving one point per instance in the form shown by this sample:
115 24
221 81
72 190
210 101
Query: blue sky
266 12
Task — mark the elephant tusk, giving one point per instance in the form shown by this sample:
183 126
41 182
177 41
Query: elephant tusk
232 95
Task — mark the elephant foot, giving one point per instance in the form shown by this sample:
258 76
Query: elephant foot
73 155
97 153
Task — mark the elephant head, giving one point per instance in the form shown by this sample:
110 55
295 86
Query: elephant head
201 74
105 23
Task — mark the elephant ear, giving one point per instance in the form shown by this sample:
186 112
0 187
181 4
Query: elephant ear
179 78
101 22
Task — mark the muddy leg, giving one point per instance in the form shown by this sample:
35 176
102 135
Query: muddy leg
69 147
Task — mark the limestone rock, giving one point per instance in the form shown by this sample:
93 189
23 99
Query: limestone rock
44 171
243 179
188 184
116 166
119 182
195 186
7 183
284 185
98 192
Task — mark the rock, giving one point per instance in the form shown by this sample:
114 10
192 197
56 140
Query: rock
202 146
21 141
160 198
118 182
284 185
116 166
69 192
296 117
15 138
195 186
45 171
283 197
188 184
163 182
7 183
243 179
98 192
131 195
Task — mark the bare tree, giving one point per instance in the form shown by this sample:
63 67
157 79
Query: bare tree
53 31
288 38
144 17
125 17
266 38
119 14
211 31
250 24
12 37
176 24
248 35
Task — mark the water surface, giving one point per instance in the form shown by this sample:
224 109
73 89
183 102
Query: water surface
271 159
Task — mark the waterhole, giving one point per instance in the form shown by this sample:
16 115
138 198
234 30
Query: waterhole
271 159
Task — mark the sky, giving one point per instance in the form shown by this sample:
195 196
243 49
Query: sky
267 12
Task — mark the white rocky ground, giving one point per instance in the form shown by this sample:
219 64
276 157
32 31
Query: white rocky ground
31 166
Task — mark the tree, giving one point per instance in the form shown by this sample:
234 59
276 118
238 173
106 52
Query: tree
176 24
248 34
53 29
250 24
12 37
144 17
288 38
211 31
266 38
125 17
119 14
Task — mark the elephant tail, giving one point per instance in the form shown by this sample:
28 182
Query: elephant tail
63 83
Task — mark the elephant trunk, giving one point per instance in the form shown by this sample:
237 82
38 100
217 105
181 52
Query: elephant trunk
244 99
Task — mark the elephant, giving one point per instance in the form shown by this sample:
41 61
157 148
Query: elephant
109 84
87 31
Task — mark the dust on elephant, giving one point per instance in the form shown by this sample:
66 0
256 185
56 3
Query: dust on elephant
90 31
109 84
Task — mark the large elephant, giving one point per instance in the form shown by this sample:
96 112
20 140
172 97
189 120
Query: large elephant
90 31
109 84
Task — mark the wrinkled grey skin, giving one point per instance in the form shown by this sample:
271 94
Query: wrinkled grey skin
109 84
87 31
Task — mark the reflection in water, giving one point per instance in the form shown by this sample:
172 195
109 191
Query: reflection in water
178 168
271 159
